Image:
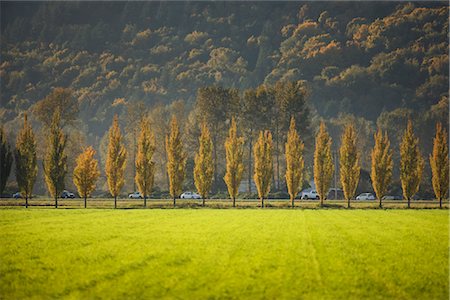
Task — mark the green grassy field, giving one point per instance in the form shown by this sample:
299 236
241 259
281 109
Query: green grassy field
206 253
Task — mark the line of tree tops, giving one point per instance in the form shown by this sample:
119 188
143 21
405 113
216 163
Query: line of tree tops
86 171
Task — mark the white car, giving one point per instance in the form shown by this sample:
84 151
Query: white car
135 195
66 194
309 194
365 196
190 195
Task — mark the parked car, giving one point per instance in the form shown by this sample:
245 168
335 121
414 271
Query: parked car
67 194
190 195
392 197
309 194
135 195
17 195
335 194
365 196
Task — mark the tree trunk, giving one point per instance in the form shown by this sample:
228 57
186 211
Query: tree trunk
381 205
215 158
85 201
321 202
203 202
278 158
440 202
292 201
348 203
145 201
174 202
26 202
234 202
409 202
262 202
115 201
56 200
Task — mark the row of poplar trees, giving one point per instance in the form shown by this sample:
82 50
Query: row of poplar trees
86 171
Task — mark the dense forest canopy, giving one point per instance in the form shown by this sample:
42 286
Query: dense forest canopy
375 63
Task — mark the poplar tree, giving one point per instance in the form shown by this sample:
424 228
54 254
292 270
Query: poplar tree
115 160
145 166
294 162
204 166
323 163
439 164
55 161
234 150
86 173
382 165
262 152
26 160
176 160
411 163
349 163
6 159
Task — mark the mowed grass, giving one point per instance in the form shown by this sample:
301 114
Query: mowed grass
230 253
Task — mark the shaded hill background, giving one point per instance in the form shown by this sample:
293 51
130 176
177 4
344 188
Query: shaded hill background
377 63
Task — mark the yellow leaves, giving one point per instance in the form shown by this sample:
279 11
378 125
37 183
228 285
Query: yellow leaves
145 170
204 166
86 172
382 164
262 151
439 163
294 161
176 159
234 151
323 162
349 162
116 159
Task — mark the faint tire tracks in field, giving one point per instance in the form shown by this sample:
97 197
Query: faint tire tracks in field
313 252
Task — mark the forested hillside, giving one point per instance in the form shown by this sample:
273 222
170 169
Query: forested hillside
375 63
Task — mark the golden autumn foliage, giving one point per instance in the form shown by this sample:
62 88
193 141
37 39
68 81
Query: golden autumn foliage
26 160
323 163
262 152
176 160
234 150
115 160
204 165
294 162
411 163
145 166
6 159
439 164
349 163
55 161
382 165
86 173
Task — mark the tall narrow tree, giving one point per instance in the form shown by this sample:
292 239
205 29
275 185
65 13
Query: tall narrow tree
323 163
294 162
262 152
234 150
26 161
411 163
440 164
6 159
86 173
349 163
176 160
382 165
204 166
115 160
145 166
55 161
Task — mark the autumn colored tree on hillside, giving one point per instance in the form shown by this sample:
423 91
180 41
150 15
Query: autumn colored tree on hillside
145 166
234 147
176 160
55 161
349 162
294 162
115 160
439 163
382 165
323 163
262 152
86 173
411 163
204 166
26 160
